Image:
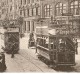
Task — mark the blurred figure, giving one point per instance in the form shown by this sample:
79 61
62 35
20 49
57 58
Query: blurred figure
31 40
2 62
13 48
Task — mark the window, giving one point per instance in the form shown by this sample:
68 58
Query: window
11 8
38 11
10 0
27 12
24 1
25 25
32 1
24 13
3 11
33 25
75 6
20 12
28 22
30 12
60 8
21 2
48 10
28 1
34 11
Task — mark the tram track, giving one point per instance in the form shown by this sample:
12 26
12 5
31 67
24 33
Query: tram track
20 61
36 63
12 65
60 69
19 65
32 63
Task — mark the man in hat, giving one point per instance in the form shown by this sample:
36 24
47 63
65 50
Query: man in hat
3 61
13 48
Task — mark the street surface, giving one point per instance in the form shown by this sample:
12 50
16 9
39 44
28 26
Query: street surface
26 60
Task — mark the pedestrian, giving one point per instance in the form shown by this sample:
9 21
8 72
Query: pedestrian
76 46
31 40
0 63
13 48
3 61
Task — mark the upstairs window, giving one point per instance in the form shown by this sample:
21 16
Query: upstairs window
38 11
60 8
75 7
28 1
24 1
48 10
34 11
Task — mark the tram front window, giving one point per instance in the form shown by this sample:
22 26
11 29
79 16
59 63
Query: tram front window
61 44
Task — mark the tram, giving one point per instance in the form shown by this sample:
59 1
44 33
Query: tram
55 45
11 35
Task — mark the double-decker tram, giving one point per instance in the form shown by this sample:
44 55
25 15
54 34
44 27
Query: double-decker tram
11 36
55 45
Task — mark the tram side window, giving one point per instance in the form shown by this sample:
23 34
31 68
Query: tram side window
61 43
46 43
54 46
41 42
38 41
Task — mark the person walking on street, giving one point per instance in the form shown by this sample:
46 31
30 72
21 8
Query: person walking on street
13 48
3 61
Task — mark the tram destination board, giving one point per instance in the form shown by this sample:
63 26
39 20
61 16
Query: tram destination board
64 29
12 29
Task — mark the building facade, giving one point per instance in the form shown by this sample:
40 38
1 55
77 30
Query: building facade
30 10
42 12
63 11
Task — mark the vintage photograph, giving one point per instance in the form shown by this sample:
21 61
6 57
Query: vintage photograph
39 36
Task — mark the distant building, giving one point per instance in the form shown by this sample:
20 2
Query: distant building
63 11
30 10
42 12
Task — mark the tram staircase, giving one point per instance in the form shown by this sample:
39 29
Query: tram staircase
70 44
